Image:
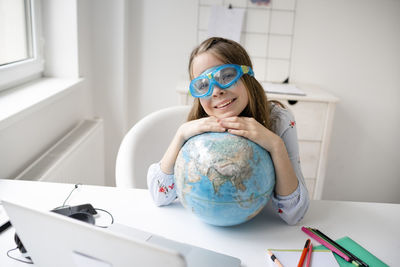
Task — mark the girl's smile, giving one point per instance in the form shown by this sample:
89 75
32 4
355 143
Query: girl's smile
225 103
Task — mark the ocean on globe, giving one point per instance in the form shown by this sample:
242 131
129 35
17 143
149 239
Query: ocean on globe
224 179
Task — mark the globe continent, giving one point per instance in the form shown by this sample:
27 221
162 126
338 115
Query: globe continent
224 179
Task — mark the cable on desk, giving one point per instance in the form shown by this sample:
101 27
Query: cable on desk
70 193
112 218
75 187
11 257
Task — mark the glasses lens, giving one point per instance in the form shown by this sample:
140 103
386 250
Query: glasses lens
226 75
201 86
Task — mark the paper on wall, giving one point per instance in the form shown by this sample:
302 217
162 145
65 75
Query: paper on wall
226 22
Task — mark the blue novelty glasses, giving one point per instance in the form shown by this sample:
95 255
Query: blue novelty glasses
223 76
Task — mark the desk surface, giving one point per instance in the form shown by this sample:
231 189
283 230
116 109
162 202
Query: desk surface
376 226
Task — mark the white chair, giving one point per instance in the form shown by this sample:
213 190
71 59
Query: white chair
146 143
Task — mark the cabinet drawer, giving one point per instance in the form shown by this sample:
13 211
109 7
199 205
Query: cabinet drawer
310 118
309 158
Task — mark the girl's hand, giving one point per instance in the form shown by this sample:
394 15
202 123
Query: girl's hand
286 180
195 127
253 130
184 132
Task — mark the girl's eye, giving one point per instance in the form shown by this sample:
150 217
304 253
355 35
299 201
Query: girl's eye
202 85
228 77
225 76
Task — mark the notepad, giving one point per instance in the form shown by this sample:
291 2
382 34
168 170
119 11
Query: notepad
358 251
282 88
290 257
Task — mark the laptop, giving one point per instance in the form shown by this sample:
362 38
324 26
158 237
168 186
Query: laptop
52 239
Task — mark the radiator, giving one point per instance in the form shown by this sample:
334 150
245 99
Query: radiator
78 157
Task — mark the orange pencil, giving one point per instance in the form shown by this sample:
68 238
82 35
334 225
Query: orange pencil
304 253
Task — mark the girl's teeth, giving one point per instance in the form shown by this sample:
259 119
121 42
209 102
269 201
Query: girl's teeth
224 105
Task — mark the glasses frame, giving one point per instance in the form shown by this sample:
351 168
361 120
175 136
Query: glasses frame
241 70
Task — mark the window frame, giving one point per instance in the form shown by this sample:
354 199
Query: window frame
16 73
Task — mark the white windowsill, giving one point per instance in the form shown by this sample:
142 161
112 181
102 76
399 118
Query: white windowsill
22 100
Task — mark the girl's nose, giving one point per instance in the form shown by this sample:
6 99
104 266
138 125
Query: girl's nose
217 91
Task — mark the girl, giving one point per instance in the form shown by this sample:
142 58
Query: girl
229 98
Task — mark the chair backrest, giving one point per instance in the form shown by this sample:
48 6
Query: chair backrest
145 143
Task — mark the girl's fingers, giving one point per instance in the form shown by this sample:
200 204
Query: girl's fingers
217 129
242 133
232 123
213 127
208 126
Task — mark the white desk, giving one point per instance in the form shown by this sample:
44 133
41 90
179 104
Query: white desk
375 226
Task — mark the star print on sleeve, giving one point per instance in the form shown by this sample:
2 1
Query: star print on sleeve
280 206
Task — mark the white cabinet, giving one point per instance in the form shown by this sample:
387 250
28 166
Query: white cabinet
314 117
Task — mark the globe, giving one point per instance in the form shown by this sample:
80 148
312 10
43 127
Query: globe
222 178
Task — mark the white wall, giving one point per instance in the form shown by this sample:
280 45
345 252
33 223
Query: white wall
107 55
134 53
160 38
351 48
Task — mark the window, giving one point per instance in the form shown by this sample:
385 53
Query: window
20 54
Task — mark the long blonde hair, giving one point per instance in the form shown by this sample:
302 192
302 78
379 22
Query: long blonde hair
230 52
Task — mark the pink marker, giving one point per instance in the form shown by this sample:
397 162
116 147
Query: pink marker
325 243
309 255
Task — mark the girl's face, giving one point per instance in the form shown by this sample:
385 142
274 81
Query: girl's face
223 103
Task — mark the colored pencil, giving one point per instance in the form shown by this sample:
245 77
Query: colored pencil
325 243
304 253
274 259
310 247
351 255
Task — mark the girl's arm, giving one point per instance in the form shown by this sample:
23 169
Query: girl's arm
291 198
160 178
286 180
160 185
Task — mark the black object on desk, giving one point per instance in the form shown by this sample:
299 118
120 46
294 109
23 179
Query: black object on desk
5 226
70 210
